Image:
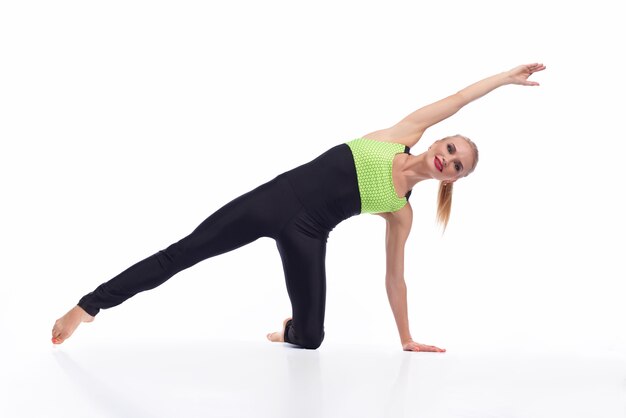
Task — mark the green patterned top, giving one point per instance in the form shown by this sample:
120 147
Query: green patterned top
373 161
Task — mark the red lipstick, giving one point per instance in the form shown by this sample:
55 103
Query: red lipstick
438 164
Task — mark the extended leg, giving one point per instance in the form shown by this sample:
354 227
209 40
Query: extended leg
243 220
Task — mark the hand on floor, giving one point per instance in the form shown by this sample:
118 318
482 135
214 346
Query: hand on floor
413 346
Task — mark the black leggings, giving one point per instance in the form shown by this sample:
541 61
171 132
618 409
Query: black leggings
276 210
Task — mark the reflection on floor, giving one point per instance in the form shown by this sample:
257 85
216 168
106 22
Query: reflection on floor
243 379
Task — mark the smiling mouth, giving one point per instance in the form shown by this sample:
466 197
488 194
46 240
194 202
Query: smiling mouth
438 164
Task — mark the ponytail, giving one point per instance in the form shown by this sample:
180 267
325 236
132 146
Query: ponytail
444 203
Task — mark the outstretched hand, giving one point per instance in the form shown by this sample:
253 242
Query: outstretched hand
413 346
519 75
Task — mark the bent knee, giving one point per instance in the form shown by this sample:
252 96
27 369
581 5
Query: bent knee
311 341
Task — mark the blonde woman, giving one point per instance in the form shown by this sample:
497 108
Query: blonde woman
374 173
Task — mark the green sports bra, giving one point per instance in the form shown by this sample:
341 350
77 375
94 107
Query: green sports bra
373 161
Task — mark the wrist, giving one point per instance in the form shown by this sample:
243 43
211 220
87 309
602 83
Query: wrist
505 78
405 341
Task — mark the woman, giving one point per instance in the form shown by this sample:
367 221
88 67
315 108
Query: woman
298 209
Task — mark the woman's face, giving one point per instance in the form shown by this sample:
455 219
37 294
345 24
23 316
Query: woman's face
450 158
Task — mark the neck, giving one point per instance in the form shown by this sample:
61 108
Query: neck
415 169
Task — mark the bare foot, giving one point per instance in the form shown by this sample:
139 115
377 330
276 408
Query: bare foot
278 336
64 327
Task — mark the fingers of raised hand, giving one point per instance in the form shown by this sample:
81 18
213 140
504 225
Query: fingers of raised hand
536 67
526 70
533 68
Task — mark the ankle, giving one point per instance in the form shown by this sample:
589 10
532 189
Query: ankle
84 316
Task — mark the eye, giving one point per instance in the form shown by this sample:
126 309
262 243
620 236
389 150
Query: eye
450 148
458 167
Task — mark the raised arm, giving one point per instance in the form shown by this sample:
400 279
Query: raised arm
398 229
410 129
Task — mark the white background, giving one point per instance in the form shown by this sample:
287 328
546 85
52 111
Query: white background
124 124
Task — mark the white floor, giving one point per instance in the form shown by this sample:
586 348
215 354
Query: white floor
221 378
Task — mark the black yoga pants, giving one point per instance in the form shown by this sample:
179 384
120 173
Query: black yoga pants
297 209
245 219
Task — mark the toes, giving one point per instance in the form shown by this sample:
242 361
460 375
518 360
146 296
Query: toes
55 334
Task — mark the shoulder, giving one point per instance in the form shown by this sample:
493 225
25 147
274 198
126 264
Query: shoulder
397 134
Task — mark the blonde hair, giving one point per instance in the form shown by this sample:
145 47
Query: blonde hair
444 196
